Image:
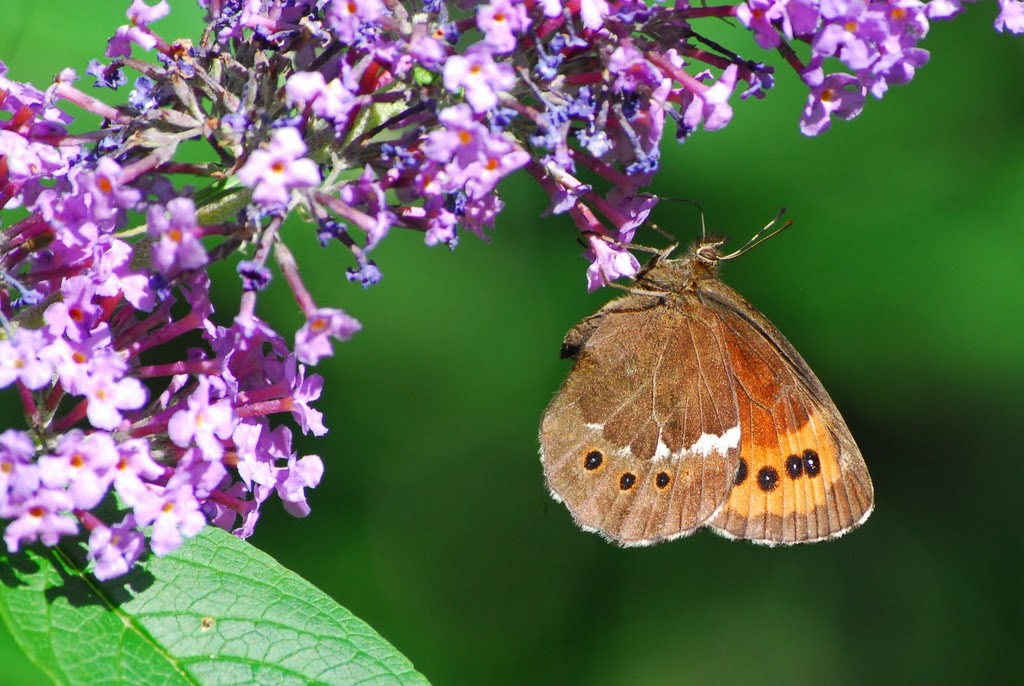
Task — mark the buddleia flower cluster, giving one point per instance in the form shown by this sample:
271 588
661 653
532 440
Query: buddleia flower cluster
148 415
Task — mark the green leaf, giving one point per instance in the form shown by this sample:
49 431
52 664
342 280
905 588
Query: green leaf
216 611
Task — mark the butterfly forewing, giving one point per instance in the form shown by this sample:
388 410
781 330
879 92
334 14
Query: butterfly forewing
633 453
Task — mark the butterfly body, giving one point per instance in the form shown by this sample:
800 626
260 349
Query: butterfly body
686 408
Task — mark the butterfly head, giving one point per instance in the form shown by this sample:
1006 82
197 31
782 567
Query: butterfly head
707 251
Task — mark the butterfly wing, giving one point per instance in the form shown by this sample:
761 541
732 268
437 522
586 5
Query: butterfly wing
801 477
635 454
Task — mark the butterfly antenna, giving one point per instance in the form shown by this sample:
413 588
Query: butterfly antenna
773 228
703 228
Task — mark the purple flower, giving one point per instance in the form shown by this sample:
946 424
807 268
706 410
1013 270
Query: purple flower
293 480
837 94
41 518
632 70
427 51
139 14
19 474
134 470
794 17
305 391
474 158
20 360
367 274
255 443
849 33
143 96
312 341
442 224
108 393
1011 16
944 9
177 233
501 20
896 66
346 17
107 75
499 158
116 548
204 421
907 19
480 76
104 188
481 213
74 360
712 106
75 315
82 464
174 515
255 277
200 473
460 140
333 101
608 262
114 275
593 12
275 171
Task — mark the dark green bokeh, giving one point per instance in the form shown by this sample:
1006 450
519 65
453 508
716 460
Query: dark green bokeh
902 283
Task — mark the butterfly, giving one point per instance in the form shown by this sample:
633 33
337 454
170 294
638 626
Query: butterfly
686 408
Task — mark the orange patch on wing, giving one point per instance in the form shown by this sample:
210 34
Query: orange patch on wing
767 439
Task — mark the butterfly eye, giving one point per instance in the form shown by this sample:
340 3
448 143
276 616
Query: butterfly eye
593 460
627 481
794 467
767 479
812 465
662 480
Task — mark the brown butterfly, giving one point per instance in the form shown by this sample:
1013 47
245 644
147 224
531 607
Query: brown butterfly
687 408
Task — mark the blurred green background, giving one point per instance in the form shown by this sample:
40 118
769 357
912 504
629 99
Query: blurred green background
902 283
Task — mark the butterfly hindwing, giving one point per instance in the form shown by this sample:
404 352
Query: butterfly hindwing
804 478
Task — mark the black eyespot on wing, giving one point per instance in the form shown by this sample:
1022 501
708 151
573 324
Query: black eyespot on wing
662 480
794 467
767 479
593 460
812 463
741 473
627 481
